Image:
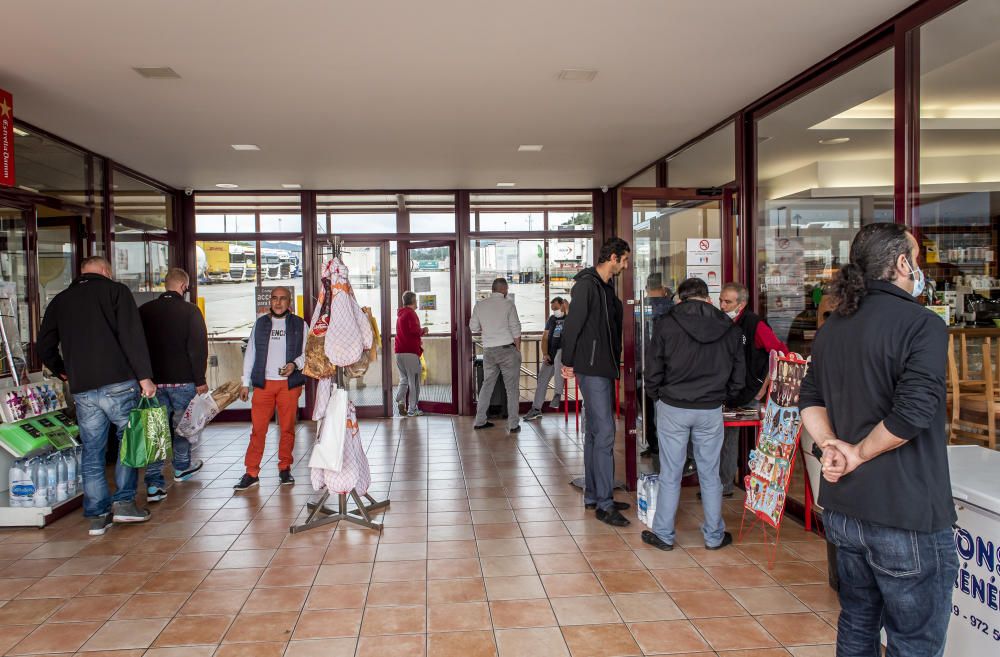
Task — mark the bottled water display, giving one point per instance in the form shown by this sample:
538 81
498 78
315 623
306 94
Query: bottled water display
22 489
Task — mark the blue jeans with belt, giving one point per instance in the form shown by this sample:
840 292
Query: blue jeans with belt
96 411
176 400
898 579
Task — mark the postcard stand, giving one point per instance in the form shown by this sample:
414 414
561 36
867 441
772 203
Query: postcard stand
772 463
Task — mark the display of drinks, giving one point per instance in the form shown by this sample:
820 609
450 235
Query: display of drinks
22 489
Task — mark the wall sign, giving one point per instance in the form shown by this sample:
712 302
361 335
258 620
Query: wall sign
6 139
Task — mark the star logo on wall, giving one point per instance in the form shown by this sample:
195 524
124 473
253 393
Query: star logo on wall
4 108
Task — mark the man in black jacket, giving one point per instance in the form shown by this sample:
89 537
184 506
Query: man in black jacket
96 326
874 399
178 349
591 347
694 364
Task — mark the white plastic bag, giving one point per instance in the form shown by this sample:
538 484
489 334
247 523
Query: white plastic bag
202 410
328 452
646 491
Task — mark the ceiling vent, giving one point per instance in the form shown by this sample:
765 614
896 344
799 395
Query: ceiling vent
578 74
157 72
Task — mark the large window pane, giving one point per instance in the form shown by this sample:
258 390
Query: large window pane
960 158
710 162
511 221
522 263
280 223
14 274
225 223
345 223
432 222
143 223
50 168
824 170
571 221
567 256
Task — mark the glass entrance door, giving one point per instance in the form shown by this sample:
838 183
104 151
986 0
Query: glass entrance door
429 271
675 234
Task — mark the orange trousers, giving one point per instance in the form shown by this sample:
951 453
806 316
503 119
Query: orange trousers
273 394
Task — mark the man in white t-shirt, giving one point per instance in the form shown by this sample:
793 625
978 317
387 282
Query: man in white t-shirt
273 365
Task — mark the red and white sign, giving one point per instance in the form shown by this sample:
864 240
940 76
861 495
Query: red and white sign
6 139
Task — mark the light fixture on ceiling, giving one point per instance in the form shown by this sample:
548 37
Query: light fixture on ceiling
227 185
529 148
578 74
21 133
157 72
246 147
291 186
833 141
761 140
506 184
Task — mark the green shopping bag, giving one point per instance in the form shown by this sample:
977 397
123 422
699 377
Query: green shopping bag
147 435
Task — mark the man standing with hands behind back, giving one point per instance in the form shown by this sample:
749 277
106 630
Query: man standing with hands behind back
591 351
273 366
874 400
496 318
95 325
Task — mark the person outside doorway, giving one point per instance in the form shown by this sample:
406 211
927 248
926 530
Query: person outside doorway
409 347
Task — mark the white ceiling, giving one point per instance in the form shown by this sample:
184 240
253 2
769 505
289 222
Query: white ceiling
397 94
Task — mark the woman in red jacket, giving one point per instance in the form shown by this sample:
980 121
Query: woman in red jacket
408 350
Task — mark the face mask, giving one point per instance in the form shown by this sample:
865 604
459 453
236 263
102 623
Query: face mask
733 314
557 314
919 282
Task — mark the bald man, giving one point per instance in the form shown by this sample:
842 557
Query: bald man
92 337
273 365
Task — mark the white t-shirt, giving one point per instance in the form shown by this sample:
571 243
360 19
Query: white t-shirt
276 353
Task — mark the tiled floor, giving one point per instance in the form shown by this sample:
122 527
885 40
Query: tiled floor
486 551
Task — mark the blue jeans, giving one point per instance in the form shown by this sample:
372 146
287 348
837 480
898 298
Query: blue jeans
96 410
599 441
674 427
176 400
898 579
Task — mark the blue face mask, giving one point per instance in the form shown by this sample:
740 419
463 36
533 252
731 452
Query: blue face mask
919 282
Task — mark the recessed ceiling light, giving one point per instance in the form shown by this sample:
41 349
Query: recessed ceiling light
291 186
156 72
578 74
246 147
529 148
21 133
833 141
227 185
506 184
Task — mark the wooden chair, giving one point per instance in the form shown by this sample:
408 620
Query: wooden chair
967 381
973 413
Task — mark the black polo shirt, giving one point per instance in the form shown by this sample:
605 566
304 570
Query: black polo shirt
886 363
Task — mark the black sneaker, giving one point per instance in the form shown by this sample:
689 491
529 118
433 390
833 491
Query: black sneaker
188 472
484 425
613 518
155 494
246 482
100 524
533 414
516 429
285 477
555 403
619 506
690 467
727 539
649 538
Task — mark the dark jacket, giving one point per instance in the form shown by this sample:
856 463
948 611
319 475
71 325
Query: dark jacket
756 360
295 328
177 339
886 362
592 333
696 357
95 325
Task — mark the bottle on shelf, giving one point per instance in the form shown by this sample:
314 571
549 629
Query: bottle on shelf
62 484
22 489
71 471
38 477
52 478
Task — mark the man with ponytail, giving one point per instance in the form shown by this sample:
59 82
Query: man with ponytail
874 400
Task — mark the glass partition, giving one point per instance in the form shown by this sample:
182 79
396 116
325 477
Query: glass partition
710 162
824 170
959 203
